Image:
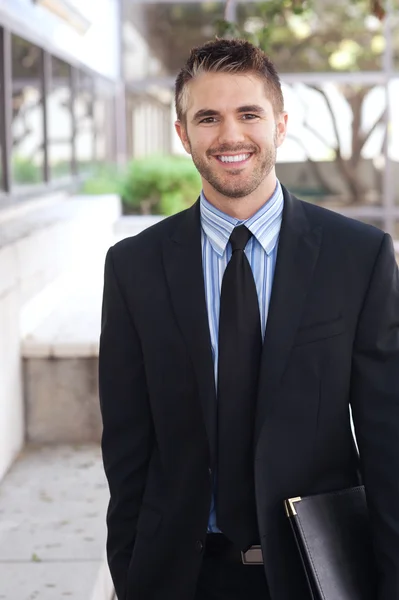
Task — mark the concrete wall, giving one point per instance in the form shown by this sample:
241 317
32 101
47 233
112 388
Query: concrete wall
39 242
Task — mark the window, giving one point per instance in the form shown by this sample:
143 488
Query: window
2 108
60 126
27 113
104 132
84 119
340 162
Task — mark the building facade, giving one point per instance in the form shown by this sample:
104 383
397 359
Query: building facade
60 77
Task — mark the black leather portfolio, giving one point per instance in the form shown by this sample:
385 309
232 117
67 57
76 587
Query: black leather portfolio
333 536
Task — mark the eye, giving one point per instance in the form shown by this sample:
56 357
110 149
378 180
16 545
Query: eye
208 120
249 117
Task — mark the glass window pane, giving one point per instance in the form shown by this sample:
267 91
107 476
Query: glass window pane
334 151
149 122
84 116
392 183
394 129
60 119
394 21
1 141
100 119
27 112
104 128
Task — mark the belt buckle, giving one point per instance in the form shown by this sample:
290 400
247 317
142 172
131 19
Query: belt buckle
253 556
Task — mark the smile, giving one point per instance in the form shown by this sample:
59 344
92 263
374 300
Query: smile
236 158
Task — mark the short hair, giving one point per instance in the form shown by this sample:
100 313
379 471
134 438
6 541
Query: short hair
228 56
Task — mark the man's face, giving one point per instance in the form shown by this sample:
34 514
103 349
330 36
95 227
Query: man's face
231 132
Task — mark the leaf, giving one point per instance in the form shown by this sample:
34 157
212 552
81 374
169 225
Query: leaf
35 558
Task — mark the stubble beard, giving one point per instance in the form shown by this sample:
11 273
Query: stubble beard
231 184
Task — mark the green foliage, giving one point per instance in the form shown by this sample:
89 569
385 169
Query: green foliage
173 202
104 179
35 558
61 168
25 171
160 185
308 36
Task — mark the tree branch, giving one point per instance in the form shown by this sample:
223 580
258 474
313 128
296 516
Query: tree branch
349 172
378 122
306 124
333 117
314 166
226 9
318 136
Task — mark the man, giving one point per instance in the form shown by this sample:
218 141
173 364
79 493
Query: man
235 337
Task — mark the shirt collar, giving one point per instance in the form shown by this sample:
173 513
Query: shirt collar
264 224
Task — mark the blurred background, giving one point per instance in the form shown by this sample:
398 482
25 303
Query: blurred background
88 155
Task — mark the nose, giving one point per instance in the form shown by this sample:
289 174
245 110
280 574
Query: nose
230 131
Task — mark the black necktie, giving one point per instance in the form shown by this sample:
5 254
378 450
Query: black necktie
240 345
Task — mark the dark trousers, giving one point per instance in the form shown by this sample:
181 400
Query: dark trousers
224 577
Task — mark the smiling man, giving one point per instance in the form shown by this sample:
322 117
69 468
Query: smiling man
235 337
233 143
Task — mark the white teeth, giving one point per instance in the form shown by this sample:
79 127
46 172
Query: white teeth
237 158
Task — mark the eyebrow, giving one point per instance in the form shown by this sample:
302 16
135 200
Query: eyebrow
209 112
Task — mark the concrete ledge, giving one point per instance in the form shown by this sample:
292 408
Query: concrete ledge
129 225
40 241
27 219
71 327
60 364
14 209
52 535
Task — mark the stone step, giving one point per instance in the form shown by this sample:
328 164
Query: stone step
60 337
60 364
52 526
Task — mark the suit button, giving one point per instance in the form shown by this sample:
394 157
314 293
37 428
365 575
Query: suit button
210 471
199 546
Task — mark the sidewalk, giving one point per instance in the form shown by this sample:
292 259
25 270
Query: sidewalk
52 526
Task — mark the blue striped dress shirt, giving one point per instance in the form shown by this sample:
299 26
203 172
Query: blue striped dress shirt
261 252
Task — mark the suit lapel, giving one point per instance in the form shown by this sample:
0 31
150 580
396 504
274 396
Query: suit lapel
298 251
182 254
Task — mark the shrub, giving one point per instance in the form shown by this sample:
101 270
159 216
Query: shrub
160 185
26 171
105 179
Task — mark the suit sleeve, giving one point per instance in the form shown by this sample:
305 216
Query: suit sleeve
127 437
375 406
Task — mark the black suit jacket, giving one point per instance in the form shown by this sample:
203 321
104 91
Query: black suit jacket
332 340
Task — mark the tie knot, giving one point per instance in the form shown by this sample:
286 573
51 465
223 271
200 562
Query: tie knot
239 237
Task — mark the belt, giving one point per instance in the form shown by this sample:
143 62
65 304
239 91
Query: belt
217 545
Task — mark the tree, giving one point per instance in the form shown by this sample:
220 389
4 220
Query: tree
317 36
304 36
172 29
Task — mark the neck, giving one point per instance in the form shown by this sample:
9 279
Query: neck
245 207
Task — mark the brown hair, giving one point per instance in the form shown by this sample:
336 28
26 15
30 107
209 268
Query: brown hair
228 56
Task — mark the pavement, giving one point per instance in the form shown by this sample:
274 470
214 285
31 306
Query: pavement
52 526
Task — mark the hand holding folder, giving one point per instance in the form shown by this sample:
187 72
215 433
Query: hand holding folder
332 532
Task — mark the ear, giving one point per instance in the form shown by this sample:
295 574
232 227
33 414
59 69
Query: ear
281 128
182 133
